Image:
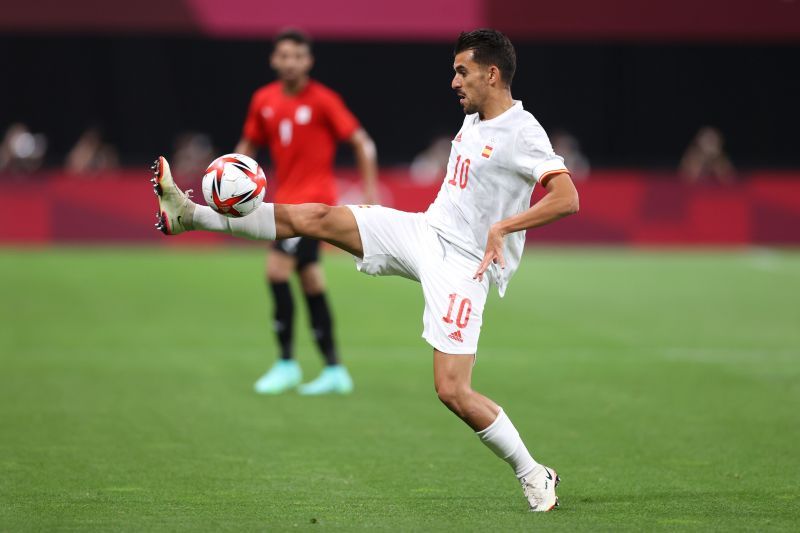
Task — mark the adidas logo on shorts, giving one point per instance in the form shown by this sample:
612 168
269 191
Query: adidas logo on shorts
456 336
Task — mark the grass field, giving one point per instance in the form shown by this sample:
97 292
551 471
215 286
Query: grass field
663 386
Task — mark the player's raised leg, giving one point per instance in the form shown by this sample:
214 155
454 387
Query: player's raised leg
452 376
178 213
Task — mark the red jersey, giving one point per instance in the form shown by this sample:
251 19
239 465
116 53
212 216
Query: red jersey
302 131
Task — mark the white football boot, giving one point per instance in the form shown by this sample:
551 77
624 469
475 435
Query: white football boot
539 488
175 209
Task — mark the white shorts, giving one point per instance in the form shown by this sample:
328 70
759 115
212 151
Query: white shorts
397 243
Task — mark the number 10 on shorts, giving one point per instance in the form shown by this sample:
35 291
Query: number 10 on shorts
464 309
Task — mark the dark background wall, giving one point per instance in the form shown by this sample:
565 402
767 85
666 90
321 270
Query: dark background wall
629 104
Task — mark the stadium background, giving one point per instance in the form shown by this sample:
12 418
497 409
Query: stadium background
688 317
632 85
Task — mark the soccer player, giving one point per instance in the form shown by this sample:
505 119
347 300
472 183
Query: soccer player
301 121
472 235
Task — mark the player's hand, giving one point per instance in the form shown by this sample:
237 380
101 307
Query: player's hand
493 254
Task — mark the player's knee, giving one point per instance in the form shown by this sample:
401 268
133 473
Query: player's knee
311 279
307 218
277 273
312 286
277 277
452 394
318 212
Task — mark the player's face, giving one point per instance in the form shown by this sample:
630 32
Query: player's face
291 61
470 82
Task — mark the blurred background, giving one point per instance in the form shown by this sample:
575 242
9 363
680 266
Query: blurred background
679 121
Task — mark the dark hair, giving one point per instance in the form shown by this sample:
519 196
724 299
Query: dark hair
490 47
294 35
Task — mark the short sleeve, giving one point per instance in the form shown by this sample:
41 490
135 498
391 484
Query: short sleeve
254 128
342 121
534 156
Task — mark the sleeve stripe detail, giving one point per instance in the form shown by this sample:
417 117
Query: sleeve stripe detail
550 173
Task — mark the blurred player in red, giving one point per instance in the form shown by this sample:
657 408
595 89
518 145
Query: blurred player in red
301 121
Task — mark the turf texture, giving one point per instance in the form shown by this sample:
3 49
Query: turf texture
664 386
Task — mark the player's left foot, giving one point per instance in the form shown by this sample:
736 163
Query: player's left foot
334 379
539 488
175 209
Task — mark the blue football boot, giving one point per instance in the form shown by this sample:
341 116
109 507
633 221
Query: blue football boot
284 375
334 379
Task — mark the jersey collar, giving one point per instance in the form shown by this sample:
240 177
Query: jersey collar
510 111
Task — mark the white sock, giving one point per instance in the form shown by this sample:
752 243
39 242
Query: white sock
503 439
260 224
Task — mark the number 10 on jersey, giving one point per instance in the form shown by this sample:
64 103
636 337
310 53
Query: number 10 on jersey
460 179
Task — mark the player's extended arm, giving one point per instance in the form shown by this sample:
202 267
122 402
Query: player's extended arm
561 200
367 162
246 147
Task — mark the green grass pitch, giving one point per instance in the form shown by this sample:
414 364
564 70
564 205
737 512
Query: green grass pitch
663 385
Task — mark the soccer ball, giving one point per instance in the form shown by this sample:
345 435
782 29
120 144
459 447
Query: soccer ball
234 185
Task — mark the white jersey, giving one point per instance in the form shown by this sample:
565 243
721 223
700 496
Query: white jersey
493 167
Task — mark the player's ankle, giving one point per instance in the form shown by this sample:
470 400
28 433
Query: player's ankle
187 218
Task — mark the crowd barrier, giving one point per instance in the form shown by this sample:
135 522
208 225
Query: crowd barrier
617 207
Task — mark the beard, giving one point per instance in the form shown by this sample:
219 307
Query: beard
470 107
